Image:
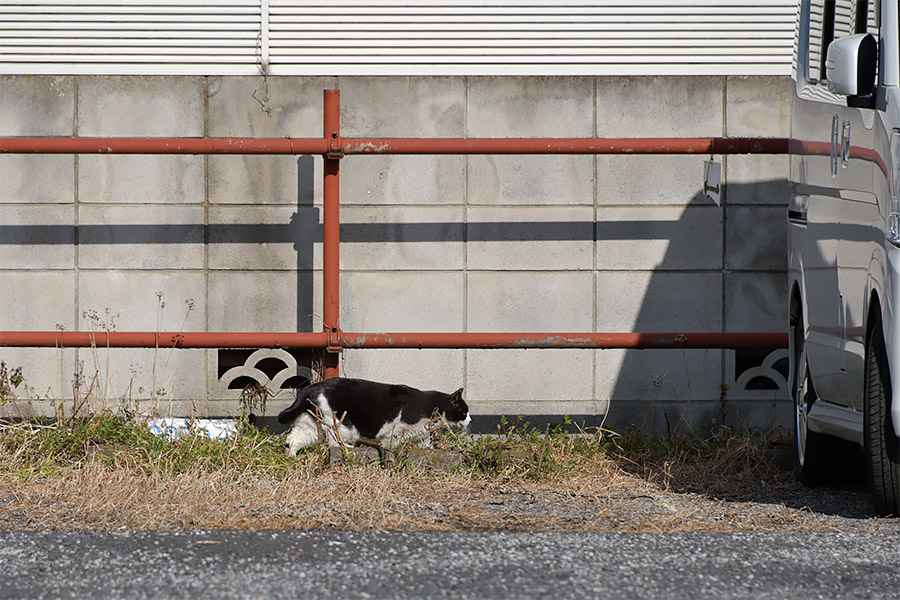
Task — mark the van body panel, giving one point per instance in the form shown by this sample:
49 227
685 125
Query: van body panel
840 257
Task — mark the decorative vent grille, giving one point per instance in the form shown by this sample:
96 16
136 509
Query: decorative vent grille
413 37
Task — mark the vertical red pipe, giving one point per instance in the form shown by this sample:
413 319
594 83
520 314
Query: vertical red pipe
332 230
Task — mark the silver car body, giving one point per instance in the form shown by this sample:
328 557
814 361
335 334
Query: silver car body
844 260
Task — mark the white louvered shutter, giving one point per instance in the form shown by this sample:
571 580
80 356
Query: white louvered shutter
413 37
532 37
130 37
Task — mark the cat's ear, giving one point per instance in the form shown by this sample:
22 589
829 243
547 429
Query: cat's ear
457 396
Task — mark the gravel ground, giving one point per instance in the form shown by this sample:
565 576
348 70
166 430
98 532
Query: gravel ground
330 564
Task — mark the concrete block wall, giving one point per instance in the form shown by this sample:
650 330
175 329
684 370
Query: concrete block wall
429 243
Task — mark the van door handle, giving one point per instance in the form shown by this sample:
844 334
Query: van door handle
845 145
834 146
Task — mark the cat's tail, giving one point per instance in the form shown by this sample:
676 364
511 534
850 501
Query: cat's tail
298 408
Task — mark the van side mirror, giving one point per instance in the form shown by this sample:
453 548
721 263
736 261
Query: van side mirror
850 66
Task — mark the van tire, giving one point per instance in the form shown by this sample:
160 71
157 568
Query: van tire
882 446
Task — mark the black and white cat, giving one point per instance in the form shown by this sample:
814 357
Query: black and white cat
377 411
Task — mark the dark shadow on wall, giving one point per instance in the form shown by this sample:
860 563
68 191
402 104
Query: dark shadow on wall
691 288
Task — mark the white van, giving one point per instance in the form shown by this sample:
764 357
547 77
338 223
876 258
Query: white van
844 242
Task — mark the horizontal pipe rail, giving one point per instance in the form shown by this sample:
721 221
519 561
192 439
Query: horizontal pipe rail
338 147
162 339
138 339
713 145
565 340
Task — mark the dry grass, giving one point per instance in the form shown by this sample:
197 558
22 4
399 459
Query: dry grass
109 473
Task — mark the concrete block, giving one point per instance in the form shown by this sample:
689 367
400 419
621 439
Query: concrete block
659 237
258 301
49 376
37 236
401 238
758 180
629 180
402 301
125 378
436 369
141 106
141 179
485 409
530 180
31 178
662 418
529 238
141 237
756 302
665 418
37 106
292 180
758 106
659 302
756 238
530 107
37 300
264 237
530 382
399 179
531 302
295 108
275 107
627 376
403 106
130 300
659 106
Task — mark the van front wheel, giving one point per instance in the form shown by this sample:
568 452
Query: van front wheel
882 446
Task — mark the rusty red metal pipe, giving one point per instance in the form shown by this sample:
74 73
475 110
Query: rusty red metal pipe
162 339
335 147
149 339
565 340
331 235
714 145
125 145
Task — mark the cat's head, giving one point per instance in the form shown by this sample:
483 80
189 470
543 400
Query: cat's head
456 411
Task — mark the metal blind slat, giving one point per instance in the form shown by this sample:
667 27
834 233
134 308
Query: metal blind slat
411 36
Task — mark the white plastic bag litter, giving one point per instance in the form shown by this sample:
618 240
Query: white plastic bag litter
174 427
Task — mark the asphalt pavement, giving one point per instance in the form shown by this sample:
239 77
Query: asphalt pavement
347 564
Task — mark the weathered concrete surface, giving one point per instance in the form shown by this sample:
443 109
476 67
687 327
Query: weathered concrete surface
429 243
